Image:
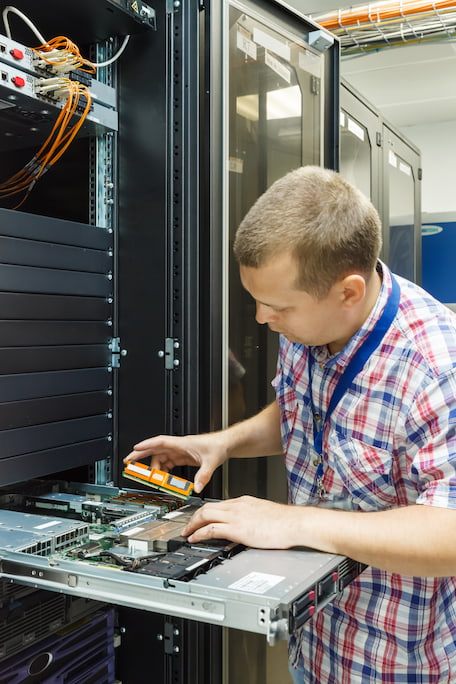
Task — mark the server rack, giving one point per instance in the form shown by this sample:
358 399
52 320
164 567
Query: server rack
153 351
402 175
386 166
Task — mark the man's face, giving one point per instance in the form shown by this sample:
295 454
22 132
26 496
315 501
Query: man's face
294 313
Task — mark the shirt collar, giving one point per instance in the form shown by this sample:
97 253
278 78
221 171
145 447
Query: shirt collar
322 355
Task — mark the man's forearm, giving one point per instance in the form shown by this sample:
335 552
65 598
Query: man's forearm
256 436
412 540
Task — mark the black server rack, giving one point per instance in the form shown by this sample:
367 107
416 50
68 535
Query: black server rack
121 307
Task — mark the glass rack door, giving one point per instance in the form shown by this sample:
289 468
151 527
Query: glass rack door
275 113
274 102
355 153
277 90
402 205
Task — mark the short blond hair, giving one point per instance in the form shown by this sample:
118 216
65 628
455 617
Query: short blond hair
324 222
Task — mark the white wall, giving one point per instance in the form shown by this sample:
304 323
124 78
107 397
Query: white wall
437 143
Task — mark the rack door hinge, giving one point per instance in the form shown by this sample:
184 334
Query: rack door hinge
116 352
168 353
315 85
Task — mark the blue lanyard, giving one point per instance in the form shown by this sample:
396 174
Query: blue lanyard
352 369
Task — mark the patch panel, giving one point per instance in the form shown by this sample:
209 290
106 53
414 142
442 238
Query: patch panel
17 82
15 54
23 58
28 115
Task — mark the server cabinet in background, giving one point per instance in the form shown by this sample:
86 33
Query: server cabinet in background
360 143
379 160
123 312
402 203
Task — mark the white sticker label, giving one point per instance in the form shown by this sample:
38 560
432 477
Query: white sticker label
246 46
158 476
270 43
392 159
310 63
356 129
256 582
133 530
235 165
173 514
277 66
405 168
138 469
48 524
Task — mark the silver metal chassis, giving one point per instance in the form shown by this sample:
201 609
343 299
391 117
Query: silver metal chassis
208 598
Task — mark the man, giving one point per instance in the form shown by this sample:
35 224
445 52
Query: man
365 415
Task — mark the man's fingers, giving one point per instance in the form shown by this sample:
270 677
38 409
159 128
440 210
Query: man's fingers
210 514
138 454
202 477
211 531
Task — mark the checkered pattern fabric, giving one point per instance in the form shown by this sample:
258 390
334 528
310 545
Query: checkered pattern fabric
391 441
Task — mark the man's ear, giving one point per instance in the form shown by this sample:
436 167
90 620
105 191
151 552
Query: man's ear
352 289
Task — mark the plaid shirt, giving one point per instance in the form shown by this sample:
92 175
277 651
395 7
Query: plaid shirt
390 442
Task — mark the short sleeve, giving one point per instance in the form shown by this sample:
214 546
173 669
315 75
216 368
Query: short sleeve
431 435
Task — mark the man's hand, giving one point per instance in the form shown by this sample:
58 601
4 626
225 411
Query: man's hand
167 451
246 520
256 436
410 540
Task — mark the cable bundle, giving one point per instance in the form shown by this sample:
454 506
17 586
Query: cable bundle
386 24
78 101
63 55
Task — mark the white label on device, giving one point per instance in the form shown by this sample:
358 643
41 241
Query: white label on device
256 582
47 524
139 469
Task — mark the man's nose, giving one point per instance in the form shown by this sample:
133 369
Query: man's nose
264 314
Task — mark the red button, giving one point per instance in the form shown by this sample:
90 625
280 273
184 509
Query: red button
16 53
18 81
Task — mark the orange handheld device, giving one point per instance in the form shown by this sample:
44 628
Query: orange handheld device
159 479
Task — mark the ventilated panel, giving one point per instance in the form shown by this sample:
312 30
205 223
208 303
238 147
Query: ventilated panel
29 620
55 332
